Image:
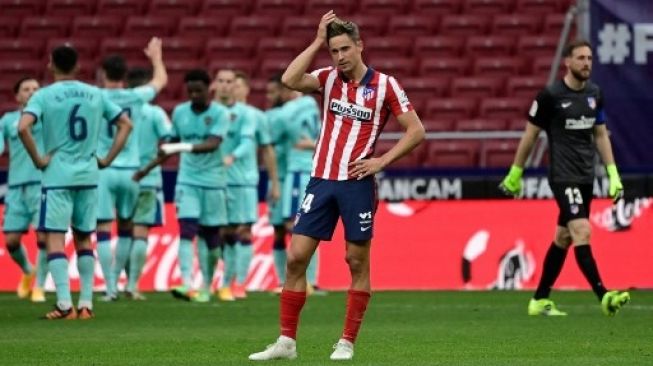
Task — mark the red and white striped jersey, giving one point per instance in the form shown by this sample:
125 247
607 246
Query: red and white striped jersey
353 117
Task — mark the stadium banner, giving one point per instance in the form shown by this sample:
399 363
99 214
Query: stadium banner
428 245
622 33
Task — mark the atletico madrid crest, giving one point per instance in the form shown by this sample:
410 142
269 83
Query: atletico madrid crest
591 101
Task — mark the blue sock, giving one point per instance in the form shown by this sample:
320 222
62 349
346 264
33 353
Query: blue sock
106 260
86 268
58 267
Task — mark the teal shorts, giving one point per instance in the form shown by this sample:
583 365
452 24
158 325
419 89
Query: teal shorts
275 209
64 207
207 205
149 207
294 186
116 191
22 205
242 204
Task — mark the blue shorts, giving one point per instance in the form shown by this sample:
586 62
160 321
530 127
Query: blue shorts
63 207
325 201
22 205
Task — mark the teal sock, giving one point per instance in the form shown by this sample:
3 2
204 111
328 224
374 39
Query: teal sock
311 271
58 267
185 258
136 262
245 252
41 265
19 255
123 247
280 260
203 258
106 259
229 258
86 268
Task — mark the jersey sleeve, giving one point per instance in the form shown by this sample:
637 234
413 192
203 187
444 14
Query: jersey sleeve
174 128
220 123
35 106
263 136
601 117
110 110
396 99
322 74
247 135
541 110
145 93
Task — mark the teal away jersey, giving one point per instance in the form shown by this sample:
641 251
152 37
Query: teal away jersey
131 101
71 113
206 169
153 127
240 142
21 167
304 123
277 120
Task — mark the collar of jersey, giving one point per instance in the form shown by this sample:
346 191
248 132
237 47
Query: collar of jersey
364 81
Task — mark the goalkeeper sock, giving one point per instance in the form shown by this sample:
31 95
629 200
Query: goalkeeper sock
553 261
587 265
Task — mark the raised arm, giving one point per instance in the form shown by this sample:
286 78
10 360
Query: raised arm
295 76
154 51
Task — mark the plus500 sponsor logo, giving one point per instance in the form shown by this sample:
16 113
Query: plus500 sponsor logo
354 111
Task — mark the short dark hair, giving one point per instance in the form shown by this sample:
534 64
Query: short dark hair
198 75
64 58
137 76
571 46
339 27
243 76
115 67
20 82
276 77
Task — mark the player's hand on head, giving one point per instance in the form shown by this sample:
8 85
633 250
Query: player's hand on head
326 20
366 167
154 49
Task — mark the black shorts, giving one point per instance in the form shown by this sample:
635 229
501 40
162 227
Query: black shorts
574 201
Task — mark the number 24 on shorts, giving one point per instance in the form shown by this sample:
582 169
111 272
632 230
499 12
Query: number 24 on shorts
308 200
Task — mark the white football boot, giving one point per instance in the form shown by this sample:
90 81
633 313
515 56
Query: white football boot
343 350
283 349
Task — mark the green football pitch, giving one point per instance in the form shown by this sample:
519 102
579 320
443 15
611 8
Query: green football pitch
400 328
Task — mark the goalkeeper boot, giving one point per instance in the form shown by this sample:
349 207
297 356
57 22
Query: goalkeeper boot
283 349
544 307
613 301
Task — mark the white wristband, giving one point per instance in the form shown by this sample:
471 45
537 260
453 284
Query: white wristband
178 147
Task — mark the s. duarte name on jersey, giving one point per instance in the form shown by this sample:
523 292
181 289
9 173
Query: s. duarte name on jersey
583 123
395 189
538 187
354 111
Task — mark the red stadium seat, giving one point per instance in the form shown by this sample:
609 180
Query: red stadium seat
6 106
177 69
443 66
476 87
414 159
279 7
369 25
247 66
388 46
200 27
498 66
466 25
21 48
280 47
452 153
96 26
225 8
481 124
229 48
70 7
121 7
386 7
151 26
44 27
516 24
9 26
183 47
174 8
503 107
21 8
129 48
399 67
517 124
490 45
86 47
537 6
271 66
437 125
451 108
300 27
488 6
436 46
411 25
321 7
21 68
436 7
174 89
425 87
524 86
498 153
254 26
541 67
553 24
7 84
537 46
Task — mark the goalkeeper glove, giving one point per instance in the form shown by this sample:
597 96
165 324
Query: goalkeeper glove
616 190
511 184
